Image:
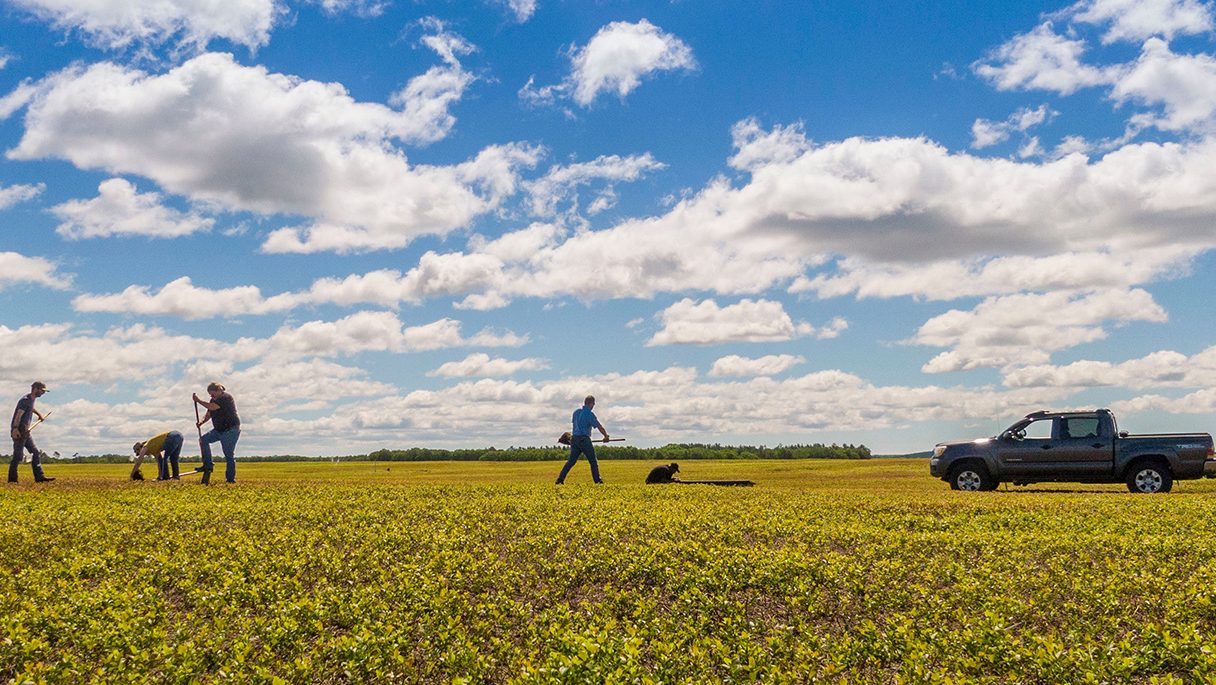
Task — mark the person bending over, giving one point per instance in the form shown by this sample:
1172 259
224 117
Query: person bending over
166 448
663 474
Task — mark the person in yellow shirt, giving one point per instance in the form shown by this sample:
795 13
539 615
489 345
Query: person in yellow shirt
166 447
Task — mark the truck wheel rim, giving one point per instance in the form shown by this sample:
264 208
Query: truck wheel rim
968 480
1148 480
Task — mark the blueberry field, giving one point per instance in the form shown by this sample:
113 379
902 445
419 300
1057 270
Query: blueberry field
826 571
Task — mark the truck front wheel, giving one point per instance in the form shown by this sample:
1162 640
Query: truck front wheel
971 476
1149 477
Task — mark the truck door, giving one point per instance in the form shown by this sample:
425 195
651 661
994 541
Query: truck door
1029 450
1081 446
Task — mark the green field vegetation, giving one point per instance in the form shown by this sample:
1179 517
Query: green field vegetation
485 572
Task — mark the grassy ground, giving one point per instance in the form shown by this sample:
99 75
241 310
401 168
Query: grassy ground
441 572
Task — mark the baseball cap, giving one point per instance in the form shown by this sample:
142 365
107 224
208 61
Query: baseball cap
39 384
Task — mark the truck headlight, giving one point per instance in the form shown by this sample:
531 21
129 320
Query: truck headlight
939 451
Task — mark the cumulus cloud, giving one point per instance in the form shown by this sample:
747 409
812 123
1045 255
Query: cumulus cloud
689 322
480 365
116 24
616 59
22 192
1198 402
1183 86
768 365
1162 369
181 298
1041 60
986 133
377 332
887 217
16 268
138 351
120 210
284 146
1025 329
953 279
426 99
57 351
521 10
561 181
1137 20
756 148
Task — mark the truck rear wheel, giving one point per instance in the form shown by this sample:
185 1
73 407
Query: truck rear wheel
971 477
1149 477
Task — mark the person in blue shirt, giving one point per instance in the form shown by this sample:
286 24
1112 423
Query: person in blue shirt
580 440
20 430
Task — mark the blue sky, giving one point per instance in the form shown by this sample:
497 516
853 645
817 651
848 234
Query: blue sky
385 224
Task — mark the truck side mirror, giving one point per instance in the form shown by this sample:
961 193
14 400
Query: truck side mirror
1123 434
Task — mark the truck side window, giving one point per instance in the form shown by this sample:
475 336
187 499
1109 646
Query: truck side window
1039 430
1082 428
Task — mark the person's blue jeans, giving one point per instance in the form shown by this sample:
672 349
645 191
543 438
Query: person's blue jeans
227 441
19 448
581 444
171 455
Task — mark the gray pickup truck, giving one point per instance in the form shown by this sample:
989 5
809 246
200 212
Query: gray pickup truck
1075 447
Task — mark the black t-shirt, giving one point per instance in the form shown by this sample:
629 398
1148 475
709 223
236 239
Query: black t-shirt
660 474
224 418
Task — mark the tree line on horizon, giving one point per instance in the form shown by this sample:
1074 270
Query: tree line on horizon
671 452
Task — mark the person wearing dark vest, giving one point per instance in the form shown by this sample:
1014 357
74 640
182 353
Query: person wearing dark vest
19 429
166 447
225 429
663 474
580 440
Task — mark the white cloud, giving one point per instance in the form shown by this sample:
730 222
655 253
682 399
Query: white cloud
378 332
1025 329
22 192
560 182
141 351
361 8
1040 60
282 145
480 365
120 210
689 322
521 10
768 365
181 298
1137 20
426 99
54 351
616 60
986 133
17 268
879 218
1183 85
1198 402
1165 368
756 148
952 279
116 24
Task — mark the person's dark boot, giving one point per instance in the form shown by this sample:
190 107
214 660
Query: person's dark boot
44 479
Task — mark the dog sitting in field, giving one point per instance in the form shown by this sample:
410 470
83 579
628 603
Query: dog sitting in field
663 474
